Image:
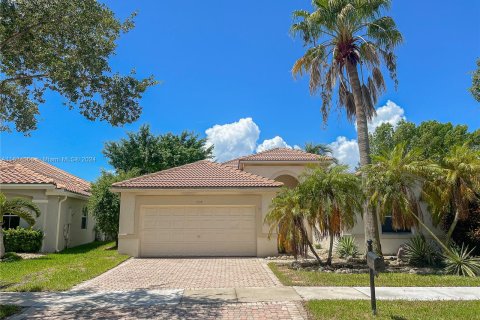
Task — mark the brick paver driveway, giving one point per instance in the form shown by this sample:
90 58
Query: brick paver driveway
234 311
188 273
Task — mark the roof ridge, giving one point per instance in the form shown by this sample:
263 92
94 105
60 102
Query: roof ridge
50 174
236 170
203 173
48 165
28 171
158 172
57 168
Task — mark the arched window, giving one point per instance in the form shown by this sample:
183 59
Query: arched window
288 180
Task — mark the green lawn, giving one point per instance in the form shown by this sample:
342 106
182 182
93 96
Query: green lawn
7 310
393 310
59 271
290 277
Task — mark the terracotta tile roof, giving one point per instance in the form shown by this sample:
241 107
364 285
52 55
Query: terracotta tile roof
278 154
35 171
200 174
283 154
232 163
16 173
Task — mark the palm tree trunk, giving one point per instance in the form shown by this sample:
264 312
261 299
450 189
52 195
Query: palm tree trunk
369 216
330 250
452 227
305 236
2 246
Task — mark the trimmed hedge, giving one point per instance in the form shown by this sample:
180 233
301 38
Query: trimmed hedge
22 240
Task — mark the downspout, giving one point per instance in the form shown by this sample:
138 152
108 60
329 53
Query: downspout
58 221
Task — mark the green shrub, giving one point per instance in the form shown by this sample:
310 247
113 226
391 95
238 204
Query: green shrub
317 246
10 257
22 240
461 262
346 247
420 252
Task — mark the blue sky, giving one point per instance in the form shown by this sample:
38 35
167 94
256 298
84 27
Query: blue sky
222 61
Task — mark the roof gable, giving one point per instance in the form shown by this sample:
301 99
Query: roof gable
279 154
200 174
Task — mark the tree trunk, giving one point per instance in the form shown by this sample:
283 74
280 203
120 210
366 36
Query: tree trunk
313 251
2 246
305 236
330 250
452 227
369 216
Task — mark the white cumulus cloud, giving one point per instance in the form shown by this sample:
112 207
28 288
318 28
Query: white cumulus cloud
276 142
346 151
233 140
389 113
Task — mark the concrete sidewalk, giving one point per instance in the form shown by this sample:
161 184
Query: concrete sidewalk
142 298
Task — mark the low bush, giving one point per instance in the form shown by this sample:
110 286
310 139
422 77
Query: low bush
420 252
10 257
460 261
346 247
22 240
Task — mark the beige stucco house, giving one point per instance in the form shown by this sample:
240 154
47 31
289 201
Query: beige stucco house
61 197
211 209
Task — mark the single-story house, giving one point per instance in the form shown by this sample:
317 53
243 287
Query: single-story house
213 209
61 197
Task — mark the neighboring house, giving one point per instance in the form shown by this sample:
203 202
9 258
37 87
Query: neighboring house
61 197
211 209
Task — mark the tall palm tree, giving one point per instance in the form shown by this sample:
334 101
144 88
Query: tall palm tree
346 42
23 208
287 215
332 197
456 186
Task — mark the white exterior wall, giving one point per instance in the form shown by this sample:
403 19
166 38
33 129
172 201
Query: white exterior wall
131 203
71 211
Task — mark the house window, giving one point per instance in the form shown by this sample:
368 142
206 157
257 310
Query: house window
10 221
387 227
84 218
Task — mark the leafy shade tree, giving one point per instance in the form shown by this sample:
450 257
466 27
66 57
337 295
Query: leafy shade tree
343 39
332 198
104 205
146 153
63 46
287 216
23 208
432 139
456 186
475 88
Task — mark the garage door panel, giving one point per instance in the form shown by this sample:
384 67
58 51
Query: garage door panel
198 231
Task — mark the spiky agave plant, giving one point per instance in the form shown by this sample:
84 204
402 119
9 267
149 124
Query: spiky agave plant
460 261
347 41
346 247
420 252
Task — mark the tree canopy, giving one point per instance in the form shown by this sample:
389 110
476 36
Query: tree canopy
145 152
104 205
63 46
433 139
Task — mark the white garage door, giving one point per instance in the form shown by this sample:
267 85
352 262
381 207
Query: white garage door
197 231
